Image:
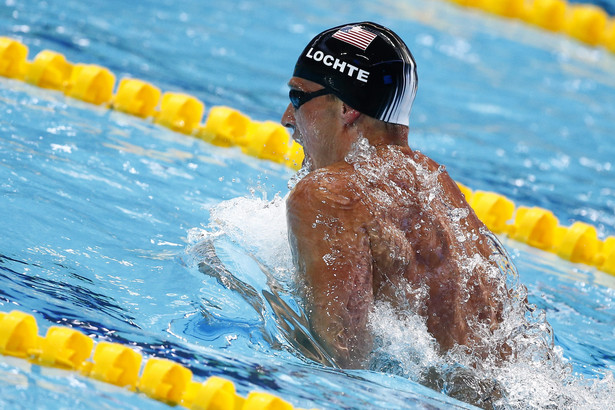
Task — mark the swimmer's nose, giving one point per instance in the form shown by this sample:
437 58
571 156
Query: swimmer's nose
288 118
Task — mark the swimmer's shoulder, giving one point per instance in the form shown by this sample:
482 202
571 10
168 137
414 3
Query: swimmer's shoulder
330 186
406 155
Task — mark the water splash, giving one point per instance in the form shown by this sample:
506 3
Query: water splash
403 344
256 225
534 374
360 151
258 228
516 365
299 175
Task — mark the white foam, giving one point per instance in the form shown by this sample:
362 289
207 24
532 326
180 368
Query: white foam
404 339
256 225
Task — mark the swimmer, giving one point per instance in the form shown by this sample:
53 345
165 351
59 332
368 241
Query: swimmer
374 220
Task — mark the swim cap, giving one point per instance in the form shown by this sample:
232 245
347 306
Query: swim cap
365 65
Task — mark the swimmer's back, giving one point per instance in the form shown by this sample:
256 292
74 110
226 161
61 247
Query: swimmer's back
426 246
431 239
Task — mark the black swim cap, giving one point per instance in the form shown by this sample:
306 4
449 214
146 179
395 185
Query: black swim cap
365 65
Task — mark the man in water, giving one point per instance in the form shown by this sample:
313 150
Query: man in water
375 221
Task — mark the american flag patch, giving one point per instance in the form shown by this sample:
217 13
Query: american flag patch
356 36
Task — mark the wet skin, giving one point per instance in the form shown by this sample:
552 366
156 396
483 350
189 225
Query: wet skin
388 226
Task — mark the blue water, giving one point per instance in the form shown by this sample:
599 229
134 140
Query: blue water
607 5
105 217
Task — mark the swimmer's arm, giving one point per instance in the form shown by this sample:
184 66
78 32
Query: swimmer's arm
333 252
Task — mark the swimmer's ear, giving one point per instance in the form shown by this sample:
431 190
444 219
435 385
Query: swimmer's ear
349 115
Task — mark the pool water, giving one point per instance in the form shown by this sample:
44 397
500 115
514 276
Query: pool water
134 234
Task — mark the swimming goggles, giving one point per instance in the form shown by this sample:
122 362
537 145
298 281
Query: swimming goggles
298 97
